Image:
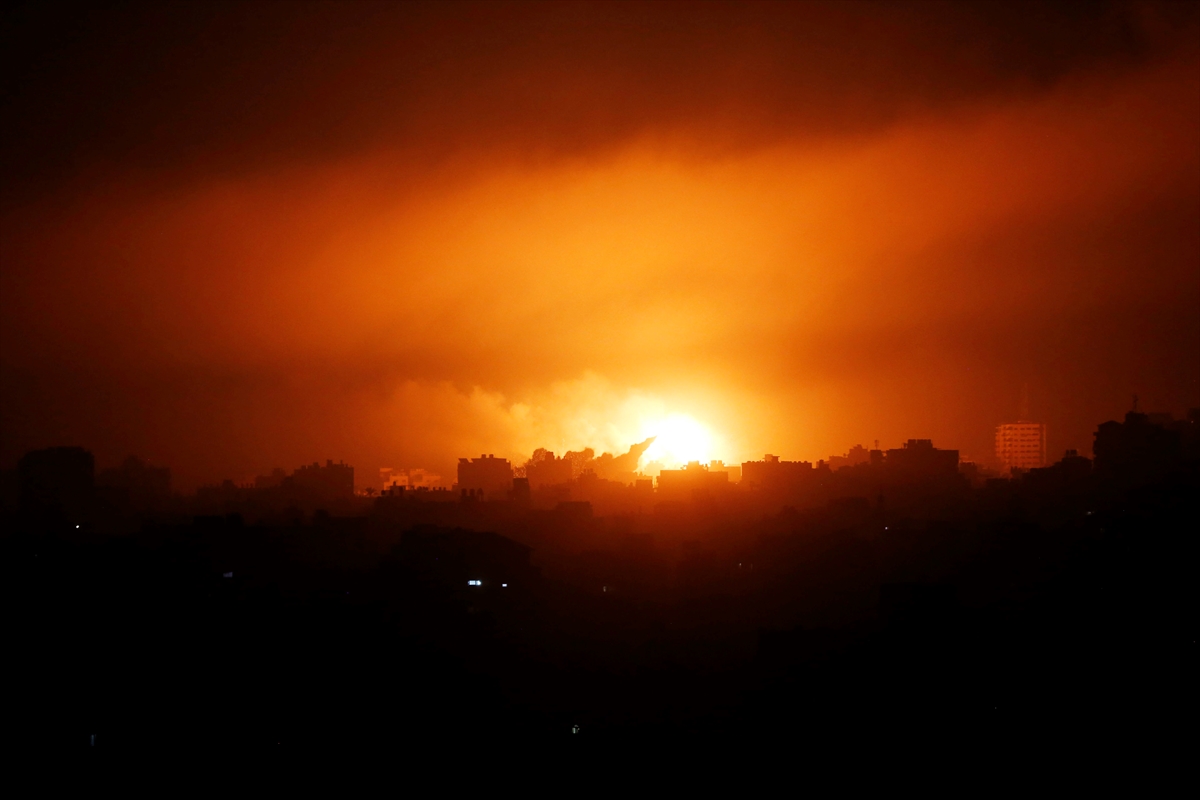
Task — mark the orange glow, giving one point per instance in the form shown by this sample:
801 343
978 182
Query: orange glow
793 294
679 439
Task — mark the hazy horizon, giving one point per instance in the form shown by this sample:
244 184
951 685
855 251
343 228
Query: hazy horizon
251 236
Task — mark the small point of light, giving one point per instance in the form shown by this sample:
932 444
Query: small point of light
78 526
474 583
504 586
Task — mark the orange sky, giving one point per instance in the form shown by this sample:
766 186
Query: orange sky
548 245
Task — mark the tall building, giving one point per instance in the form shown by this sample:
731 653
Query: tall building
1021 445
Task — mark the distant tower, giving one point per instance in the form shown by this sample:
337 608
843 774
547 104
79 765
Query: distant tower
1021 444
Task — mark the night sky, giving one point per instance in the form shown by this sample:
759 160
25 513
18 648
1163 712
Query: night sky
236 236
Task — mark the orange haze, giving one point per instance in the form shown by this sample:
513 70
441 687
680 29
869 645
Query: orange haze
797 284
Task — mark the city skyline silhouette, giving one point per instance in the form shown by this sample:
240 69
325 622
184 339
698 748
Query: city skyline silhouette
520 376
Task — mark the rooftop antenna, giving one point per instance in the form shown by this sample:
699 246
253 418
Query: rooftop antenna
1135 404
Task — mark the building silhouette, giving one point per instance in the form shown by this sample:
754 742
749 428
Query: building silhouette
487 477
58 479
733 470
477 561
856 455
835 571
142 485
771 472
329 482
1138 450
918 458
276 478
544 469
682 484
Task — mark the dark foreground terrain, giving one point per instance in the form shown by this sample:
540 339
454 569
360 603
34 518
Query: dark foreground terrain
1050 615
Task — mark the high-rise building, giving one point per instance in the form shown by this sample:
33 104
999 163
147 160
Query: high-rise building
1021 445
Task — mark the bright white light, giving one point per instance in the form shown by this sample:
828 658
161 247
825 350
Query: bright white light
504 586
474 583
78 526
678 440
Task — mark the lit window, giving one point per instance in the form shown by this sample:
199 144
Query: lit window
475 583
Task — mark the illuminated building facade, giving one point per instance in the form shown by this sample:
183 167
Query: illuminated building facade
1021 445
